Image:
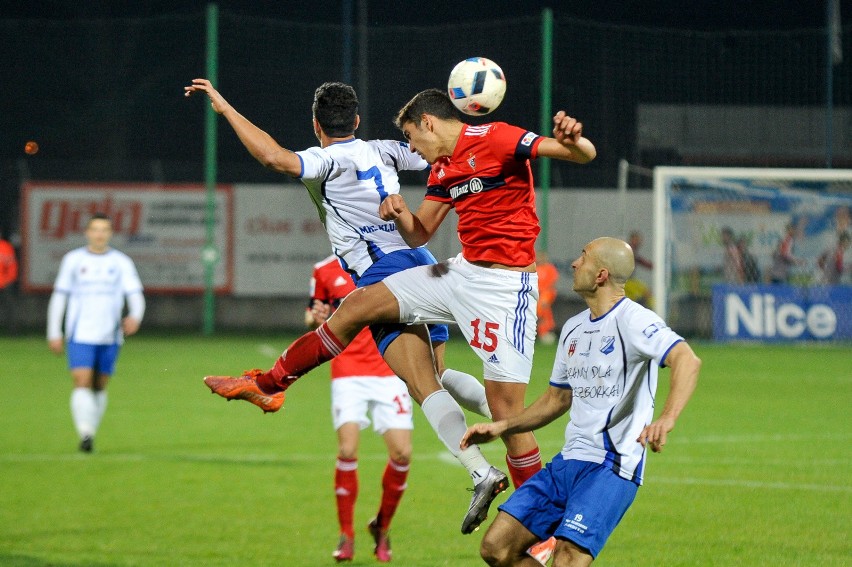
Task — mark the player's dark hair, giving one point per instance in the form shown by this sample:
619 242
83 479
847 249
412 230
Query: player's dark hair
336 108
99 216
431 101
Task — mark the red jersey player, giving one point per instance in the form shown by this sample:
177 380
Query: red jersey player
362 383
490 290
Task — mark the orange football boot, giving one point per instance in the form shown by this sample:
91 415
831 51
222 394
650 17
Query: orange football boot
245 388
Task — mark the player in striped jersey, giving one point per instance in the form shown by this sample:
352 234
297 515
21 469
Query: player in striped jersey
606 374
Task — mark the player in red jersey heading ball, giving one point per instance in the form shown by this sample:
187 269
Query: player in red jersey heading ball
490 290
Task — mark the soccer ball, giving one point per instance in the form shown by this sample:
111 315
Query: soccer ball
477 86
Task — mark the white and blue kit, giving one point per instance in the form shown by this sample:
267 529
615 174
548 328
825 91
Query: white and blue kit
94 286
347 181
610 364
90 291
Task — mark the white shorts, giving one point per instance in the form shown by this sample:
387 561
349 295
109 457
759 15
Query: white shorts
494 309
385 399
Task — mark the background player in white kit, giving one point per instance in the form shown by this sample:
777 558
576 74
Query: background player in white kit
362 386
606 373
90 292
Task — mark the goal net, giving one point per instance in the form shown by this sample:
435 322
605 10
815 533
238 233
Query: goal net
753 254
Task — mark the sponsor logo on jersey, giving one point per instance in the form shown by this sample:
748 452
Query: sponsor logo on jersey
607 344
387 227
594 372
441 174
472 186
494 359
341 281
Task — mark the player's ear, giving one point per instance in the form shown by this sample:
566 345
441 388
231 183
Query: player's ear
357 121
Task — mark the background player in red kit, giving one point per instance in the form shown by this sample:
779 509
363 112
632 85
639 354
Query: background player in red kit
362 383
490 290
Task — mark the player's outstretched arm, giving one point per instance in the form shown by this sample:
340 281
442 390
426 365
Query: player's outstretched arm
568 142
261 145
684 377
553 403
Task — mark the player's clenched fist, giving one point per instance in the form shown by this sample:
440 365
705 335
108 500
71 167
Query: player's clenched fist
392 207
566 130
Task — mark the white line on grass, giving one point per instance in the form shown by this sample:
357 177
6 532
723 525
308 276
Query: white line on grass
443 456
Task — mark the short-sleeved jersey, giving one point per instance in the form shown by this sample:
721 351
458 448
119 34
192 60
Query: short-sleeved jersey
348 181
488 180
330 284
611 364
96 285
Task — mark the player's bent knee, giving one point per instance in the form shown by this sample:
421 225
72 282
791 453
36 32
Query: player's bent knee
493 552
400 456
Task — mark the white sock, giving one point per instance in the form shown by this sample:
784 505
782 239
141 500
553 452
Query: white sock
84 411
101 404
467 391
447 419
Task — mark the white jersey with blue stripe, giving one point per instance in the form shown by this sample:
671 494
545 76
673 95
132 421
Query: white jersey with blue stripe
348 181
96 286
611 364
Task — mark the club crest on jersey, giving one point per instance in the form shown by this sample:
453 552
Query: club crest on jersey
572 347
471 161
607 344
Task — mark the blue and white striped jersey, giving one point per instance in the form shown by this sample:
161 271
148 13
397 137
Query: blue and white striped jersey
347 181
611 364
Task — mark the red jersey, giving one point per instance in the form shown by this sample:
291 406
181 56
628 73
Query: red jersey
488 180
330 284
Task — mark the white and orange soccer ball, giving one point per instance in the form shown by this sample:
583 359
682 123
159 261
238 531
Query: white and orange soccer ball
477 86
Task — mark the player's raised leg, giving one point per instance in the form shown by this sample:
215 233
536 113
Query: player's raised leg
371 304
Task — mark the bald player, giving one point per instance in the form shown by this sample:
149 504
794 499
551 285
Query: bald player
606 374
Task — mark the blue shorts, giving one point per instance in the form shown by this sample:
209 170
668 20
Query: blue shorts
390 264
575 500
100 358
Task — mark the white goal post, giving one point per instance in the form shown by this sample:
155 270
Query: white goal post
760 204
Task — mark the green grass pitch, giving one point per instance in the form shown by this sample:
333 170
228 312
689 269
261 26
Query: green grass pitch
756 473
